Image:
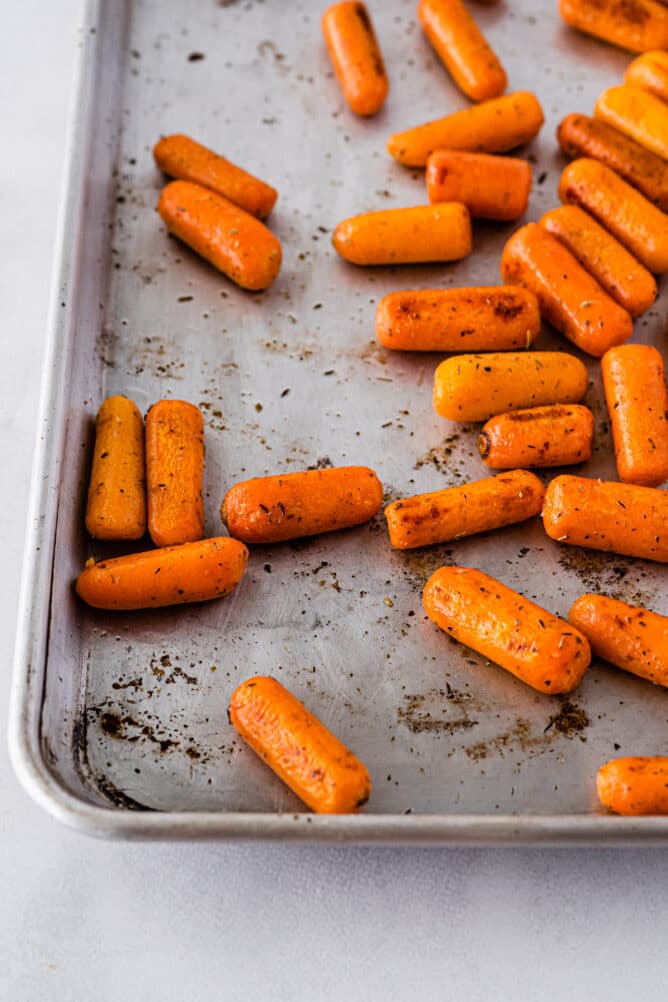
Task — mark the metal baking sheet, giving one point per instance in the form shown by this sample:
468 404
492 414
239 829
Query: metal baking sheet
119 721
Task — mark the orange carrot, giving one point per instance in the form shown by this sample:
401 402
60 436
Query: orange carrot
490 127
634 382
298 747
192 572
649 71
484 318
638 114
406 236
635 785
462 48
116 507
464 510
528 641
490 187
184 158
636 25
570 299
476 387
174 471
291 505
230 239
617 518
356 56
544 436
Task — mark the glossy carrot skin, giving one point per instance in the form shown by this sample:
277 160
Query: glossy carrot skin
406 236
534 645
616 518
462 48
634 383
638 114
635 785
569 297
456 512
174 472
116 506
650 72
543 436
490 187
173 575
233 241
298 747
637 25
355 54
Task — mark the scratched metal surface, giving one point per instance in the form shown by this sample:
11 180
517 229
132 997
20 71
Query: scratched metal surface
134 706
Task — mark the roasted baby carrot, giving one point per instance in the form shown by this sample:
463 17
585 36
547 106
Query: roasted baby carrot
543 436
635 785
356 56
229 238
174 471
464 510
636 25
638 114
649 71
489 127
184 158
628 636
634 383
298 747
484 318
490 187
635 222
534 645
192 572
406 236
599 253
462 48
476 387
273 509
568 296
617 518
116 507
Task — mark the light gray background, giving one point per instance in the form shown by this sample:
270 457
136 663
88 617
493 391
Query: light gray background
82 919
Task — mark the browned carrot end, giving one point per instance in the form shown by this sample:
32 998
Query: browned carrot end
116 505
355 54
559 435
174 472
636 25
462 48
413 235
491 187
634 785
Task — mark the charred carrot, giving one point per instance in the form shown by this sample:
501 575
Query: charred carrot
617 518
298 747
226 236
650 72
462 48
489 127
456 512
490 187
183 158
173 575
534 645
543 436
406 236
635 785
476 387
356 56
174 471
636 25
116 507
291 505
613 267
569 297
485 318
638 114
634 383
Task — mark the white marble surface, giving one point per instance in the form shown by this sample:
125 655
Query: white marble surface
81 919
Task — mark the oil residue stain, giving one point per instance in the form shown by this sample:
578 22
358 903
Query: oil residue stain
570 722
428 712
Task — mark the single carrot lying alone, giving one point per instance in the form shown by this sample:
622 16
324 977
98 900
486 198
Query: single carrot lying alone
356 56
649 71
298 747
491 187
174 472
638 114
462 48
636 25
635 785
558 435
406 236
116 507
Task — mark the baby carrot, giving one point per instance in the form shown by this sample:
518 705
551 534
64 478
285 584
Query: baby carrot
634 383
504 626
230 239
184 158
628 636
484 318
356 56
617 518
490 187
291 505
455 512
489 127
116 507
192 572
462 48
476 387
439 232
544 436
635 785
638 114
174 471
649 71
569 298
298 747
617 271
636 25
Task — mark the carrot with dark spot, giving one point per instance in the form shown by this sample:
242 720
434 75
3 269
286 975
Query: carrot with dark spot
462 48
635 785
116 506
491 187
543 436
636 25
356 56
174 472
